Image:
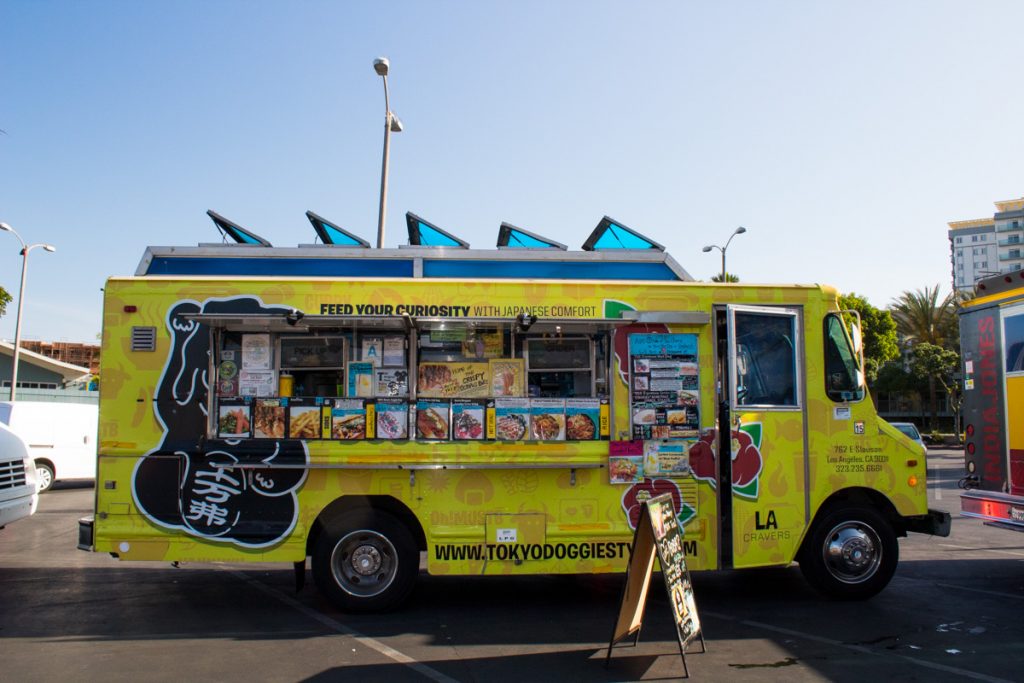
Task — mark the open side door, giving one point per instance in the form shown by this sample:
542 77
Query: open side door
763 426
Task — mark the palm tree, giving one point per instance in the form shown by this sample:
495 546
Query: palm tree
729 277
922 318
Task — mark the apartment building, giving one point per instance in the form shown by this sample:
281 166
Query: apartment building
987 246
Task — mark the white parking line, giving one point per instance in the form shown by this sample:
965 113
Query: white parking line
966 673
335 625
983 550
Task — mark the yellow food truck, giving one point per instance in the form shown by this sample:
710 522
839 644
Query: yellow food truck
501 411
992 350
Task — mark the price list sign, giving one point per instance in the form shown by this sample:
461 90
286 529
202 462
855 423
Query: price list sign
664 386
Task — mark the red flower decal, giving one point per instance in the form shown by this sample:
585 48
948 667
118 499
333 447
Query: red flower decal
638 494
702 456
747 463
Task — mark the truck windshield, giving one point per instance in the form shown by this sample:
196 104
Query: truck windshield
841 367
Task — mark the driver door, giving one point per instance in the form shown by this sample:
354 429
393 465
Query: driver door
767 412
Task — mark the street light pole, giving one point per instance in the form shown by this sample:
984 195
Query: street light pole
391 124
738 231
25 249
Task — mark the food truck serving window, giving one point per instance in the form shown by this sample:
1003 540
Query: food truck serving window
331 377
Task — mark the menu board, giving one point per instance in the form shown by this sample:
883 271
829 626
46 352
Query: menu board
269 418
508 377
468 419
304 418
547 419
512 418
453 380
392 419
234 418
432 419
348 419
664 385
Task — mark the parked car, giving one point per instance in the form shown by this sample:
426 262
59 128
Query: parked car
19 494
910 430
61 437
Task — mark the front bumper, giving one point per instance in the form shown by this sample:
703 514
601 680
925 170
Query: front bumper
935 523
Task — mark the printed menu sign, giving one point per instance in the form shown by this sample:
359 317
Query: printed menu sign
256 352
664 386
453 380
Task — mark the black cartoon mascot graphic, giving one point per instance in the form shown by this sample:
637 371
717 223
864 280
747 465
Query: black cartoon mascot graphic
183 483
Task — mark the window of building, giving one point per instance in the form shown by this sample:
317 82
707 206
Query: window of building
959 240
974 238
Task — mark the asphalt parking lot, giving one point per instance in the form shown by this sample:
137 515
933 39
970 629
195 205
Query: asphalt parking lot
952 612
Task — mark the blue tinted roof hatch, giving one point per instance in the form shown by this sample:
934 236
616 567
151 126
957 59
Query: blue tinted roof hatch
329 233
513 237
611 234
236 232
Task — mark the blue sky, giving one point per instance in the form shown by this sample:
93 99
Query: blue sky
842 135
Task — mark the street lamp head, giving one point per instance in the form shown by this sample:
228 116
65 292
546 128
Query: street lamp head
706 249
740 230
396 124
49 247
380 65
6 228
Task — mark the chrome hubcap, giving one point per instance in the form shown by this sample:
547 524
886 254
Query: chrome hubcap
852 552
43 477
364 563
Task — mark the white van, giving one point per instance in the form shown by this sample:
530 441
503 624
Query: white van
61 437
18 488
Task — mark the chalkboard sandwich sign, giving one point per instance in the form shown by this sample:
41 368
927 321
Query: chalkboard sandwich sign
658 535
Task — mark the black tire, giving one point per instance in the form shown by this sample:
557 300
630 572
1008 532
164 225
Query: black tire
365 561
44 475
851 553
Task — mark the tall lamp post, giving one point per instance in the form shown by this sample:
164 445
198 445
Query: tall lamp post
391 125
25 249
738 231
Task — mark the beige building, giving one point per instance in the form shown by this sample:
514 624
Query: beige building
987 246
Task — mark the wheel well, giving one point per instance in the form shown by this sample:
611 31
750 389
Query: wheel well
345 504
48 463
860 496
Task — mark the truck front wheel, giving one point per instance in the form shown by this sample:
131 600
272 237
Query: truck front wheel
850 554
365 561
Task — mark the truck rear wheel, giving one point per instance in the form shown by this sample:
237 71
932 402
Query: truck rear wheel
365 561
850 554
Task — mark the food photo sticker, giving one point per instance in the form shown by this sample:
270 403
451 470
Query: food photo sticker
625 469
268 418
467 420
348 419
507 377
512 419
547 419
432 420
233 420
392 419
303 419
582 419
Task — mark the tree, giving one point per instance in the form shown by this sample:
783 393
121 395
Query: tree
921 317
879 332
5 299
729 277
937 365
